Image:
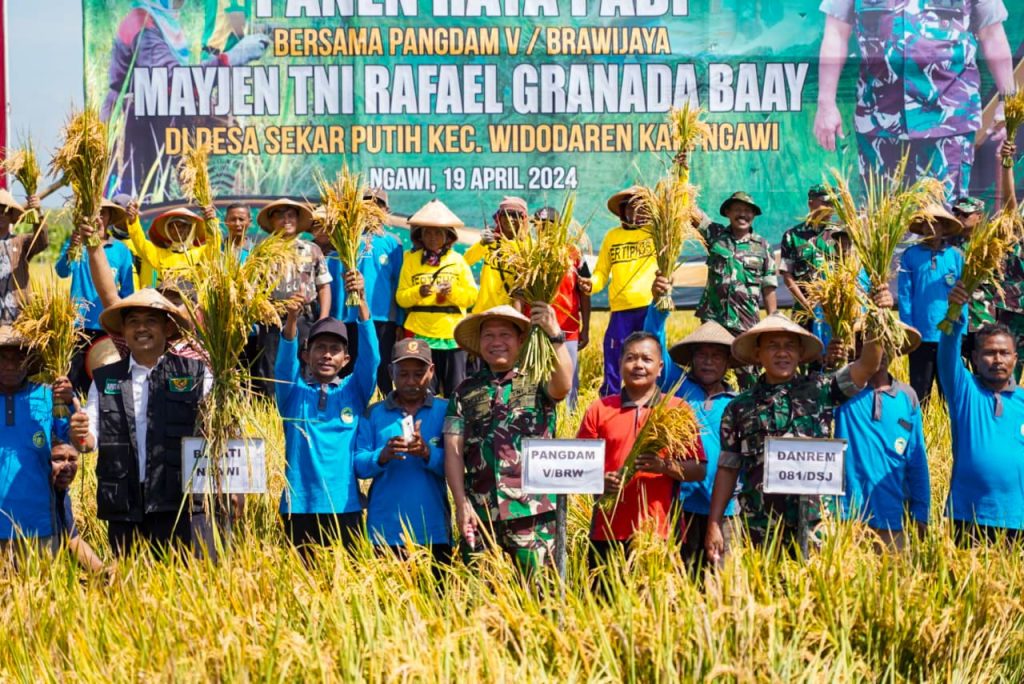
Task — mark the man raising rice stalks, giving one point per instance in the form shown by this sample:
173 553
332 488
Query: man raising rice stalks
488 417
781 403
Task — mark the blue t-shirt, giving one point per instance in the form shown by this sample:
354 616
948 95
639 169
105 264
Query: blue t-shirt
407 495
380 262
987 482
696 496
320 423
83 291
886 462
925 280
26 498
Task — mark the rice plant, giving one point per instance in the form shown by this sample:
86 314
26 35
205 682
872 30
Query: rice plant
838 293
83 159
1013 110
671 210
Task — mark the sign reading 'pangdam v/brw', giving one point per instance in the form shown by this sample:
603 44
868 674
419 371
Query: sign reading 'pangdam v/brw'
563 466
243 469
812 467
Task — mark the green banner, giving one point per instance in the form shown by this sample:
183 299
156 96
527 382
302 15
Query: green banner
471 100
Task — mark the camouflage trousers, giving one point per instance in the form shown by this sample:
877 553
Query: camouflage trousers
948 159
529 541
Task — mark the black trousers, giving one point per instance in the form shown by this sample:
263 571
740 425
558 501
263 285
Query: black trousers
160 530
694 528
386 335
306 529
969 534
924 370
599 550
449 370
264 351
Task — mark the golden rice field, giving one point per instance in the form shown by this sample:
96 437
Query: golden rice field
934 612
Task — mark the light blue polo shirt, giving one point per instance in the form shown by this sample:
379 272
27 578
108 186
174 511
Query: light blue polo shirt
380 263
320 424
987 482
406 495
83 292
924 282
886 461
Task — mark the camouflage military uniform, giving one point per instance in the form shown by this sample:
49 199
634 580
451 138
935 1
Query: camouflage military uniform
738 270
801 407
494 413
805 249
918 91
1010 307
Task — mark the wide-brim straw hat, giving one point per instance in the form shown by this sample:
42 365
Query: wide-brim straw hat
467 332
709 333
112 318
949 225
434 214
745 344
7 201
102 352
616 201
305 214
9 337
158 229
913 339
118 215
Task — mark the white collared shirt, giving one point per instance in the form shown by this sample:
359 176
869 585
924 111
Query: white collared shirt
140 402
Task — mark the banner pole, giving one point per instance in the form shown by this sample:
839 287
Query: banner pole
802 527
561 515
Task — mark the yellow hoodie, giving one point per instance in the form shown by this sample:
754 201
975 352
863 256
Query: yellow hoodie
430 316
161 259
627 265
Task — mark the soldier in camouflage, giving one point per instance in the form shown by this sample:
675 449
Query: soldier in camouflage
782 403
1010 306
918 91
741 272
805 249
489 414
982 308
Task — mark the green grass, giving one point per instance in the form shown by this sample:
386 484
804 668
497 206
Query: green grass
934 612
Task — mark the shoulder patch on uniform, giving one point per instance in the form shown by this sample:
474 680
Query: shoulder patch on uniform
111 386
183 384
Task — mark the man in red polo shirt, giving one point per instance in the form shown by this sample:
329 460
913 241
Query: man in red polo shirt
648 497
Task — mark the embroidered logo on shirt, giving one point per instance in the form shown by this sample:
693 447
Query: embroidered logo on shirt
900 445
950 279
185 384
111 387
39 439
347 416
383 259
435 441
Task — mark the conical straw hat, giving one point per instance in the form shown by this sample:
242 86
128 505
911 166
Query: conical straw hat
709 333
744 345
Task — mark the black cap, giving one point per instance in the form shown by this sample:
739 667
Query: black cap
328 326
411 348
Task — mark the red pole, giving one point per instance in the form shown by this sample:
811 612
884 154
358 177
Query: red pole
3 86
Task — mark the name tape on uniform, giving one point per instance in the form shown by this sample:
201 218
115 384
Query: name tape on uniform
563 466
794 465
243 469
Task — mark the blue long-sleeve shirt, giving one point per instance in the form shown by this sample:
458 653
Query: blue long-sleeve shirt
987 482
696 496
886 461
83 291
320 425
406 495
26 497
380 263
925 279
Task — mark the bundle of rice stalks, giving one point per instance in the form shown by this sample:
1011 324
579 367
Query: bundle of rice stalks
23 165
83 160
52 325
876 229
984 255
537 259
194 180
348 219
1013 110
688 131
671 208
670 431
839 295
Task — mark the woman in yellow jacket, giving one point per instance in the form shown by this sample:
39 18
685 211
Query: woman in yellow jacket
435 288
176 240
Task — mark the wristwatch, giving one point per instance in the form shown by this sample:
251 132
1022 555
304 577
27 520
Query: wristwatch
557 339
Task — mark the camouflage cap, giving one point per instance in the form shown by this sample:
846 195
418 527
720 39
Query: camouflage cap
818 190
739 197
968 205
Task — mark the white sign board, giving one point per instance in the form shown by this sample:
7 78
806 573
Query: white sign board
563 466
243 468
812 467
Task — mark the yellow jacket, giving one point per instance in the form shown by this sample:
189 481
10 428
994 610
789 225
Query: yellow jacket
627 265
429 316
492 284
160 259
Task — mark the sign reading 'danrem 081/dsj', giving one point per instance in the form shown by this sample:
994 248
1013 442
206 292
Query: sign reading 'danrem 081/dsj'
563 466
812 467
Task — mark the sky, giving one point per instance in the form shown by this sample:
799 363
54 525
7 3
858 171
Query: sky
44 64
